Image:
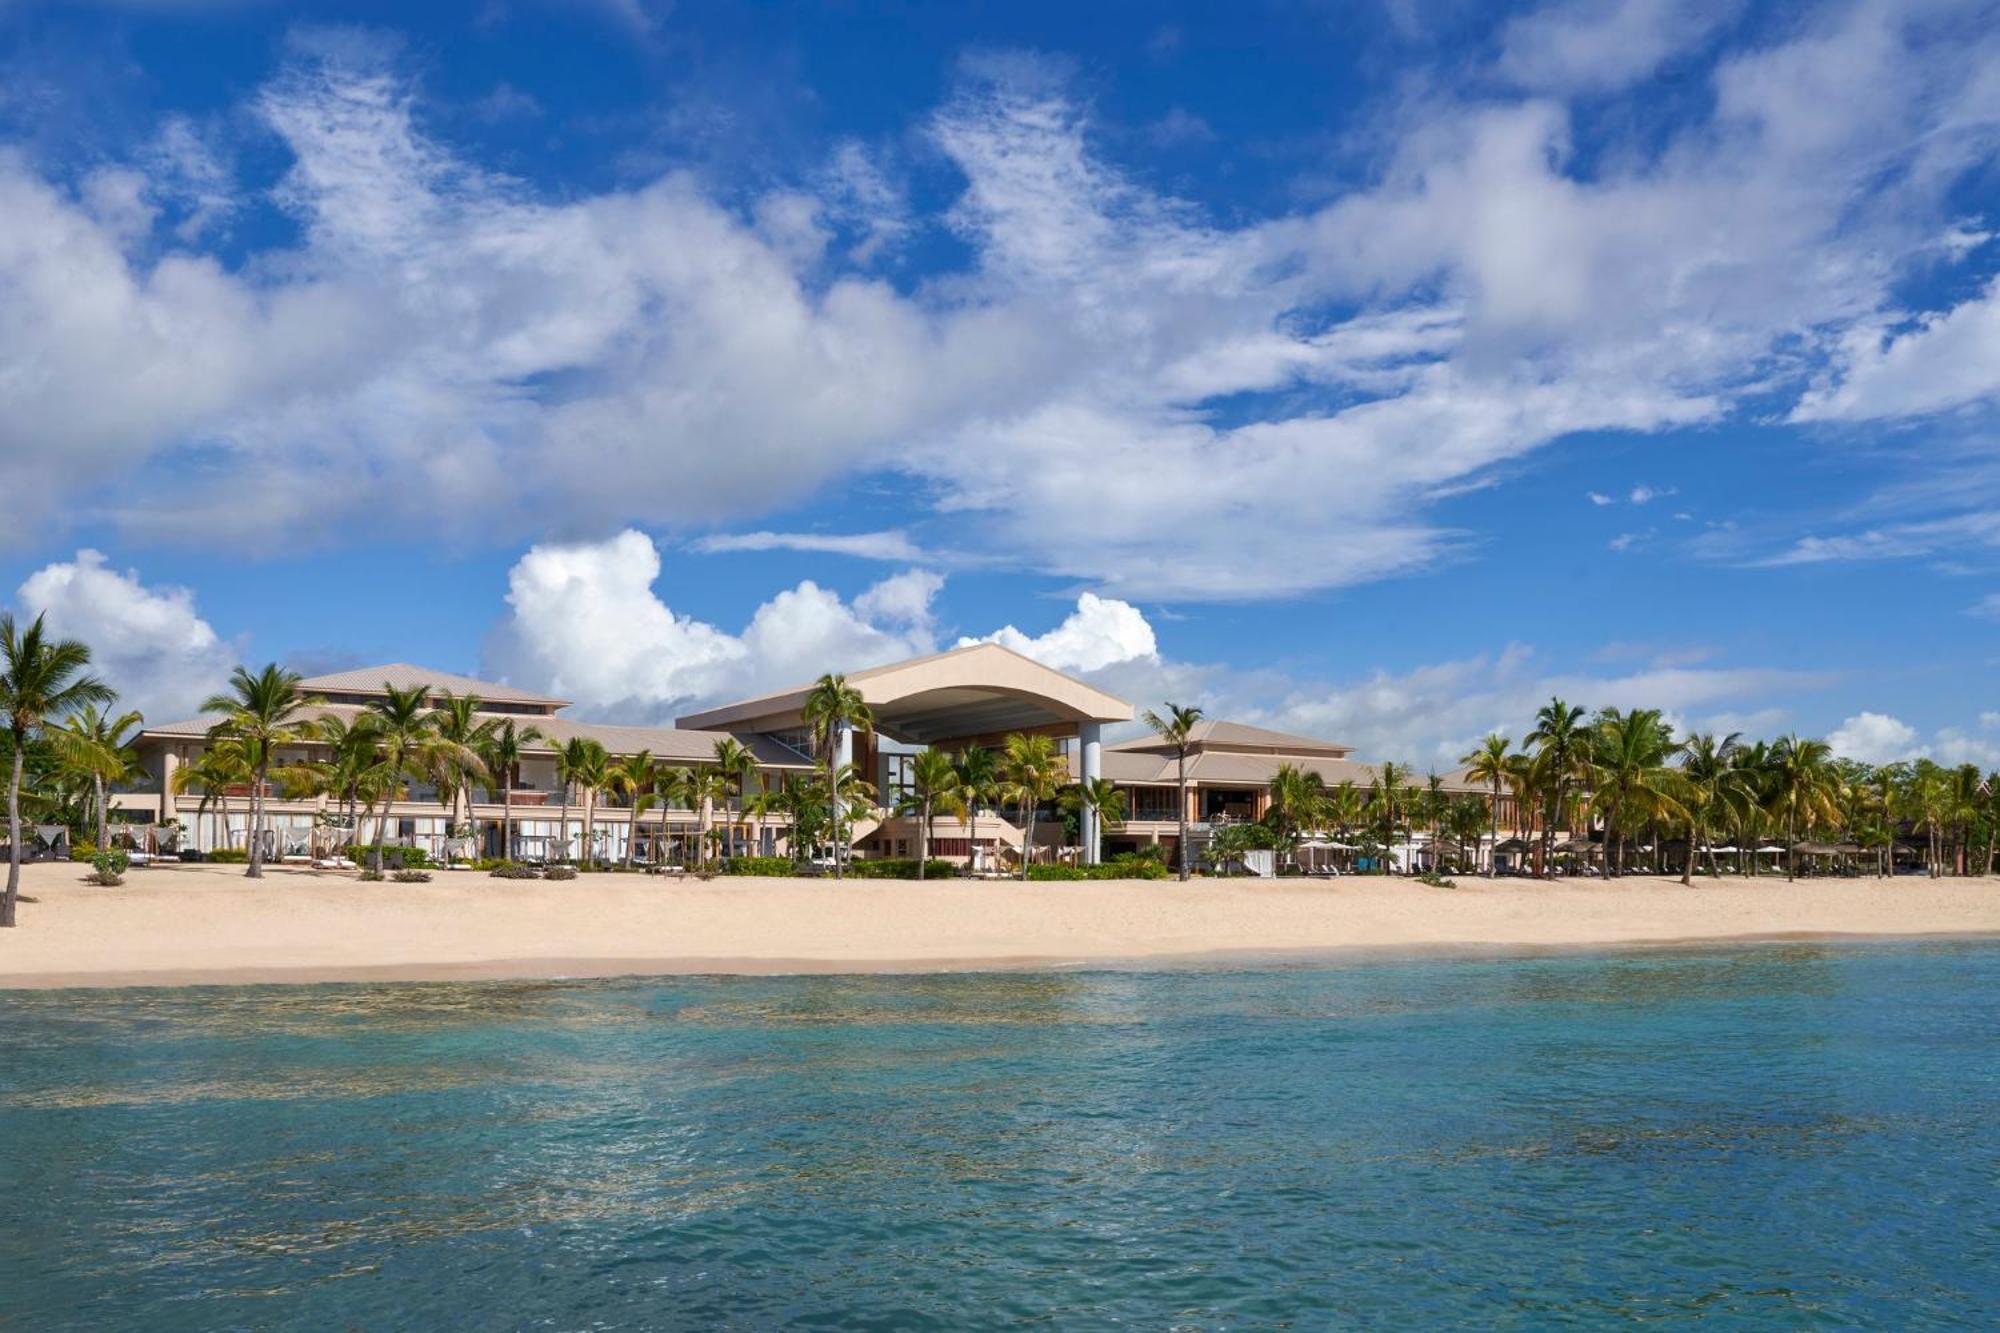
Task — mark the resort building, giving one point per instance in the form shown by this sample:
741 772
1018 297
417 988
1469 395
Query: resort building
975 696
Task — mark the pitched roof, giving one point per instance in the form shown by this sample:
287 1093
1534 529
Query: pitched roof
1235 768
1215 734
953 680
402 675
671 744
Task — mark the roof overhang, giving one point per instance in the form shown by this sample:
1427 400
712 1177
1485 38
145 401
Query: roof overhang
979 690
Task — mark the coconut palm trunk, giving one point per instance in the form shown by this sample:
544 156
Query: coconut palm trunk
13 842
924 838
256 870
1182 844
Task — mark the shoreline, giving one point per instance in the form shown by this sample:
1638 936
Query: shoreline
210 926
639 969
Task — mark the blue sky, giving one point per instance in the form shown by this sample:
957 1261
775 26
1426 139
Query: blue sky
1372 370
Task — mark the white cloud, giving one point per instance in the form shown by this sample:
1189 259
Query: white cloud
149 644
1600 499
1945 360
1101 632
1875 738
1986 608
1432 714
445 351
890 545
1599 46
588 621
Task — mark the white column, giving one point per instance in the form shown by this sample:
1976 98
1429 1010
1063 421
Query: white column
1091 767
843 755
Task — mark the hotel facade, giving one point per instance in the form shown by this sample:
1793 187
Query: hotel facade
975 696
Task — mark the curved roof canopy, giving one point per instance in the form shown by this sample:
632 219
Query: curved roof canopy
979 690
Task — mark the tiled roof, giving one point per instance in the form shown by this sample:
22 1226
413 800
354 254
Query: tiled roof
1213 733
669 744
1222 768
404 676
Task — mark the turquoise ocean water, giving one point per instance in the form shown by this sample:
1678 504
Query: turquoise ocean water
1777 1136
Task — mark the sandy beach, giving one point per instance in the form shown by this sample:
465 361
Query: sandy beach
183 925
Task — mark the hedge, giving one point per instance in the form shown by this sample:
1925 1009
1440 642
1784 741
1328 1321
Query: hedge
770 866
1135 869
393 856
229 856
900 868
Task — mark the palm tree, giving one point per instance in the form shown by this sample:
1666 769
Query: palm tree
1560 744
1991 789
635 777
833 707
98 748
1490 764
39 679
1176 727
978 784
704 788
1801 789
573 760
506 746
1031 772
1298 805
405 736
461 762
934 788
1631 784
737 762
1710 781
587 770
261 713
1386 795
215 770
797 801
1100 796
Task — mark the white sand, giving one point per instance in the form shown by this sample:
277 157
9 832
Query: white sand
194 924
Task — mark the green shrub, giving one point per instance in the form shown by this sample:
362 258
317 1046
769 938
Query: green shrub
411 876
1436 881
1149 853
1116 869
393 857
230 856
83 849
513 870
371 877
108 868
770 866
559 872
900 868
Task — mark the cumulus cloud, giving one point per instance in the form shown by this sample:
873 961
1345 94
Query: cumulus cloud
445 350
585 620
149 644
589 621
1101 632
1874 738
